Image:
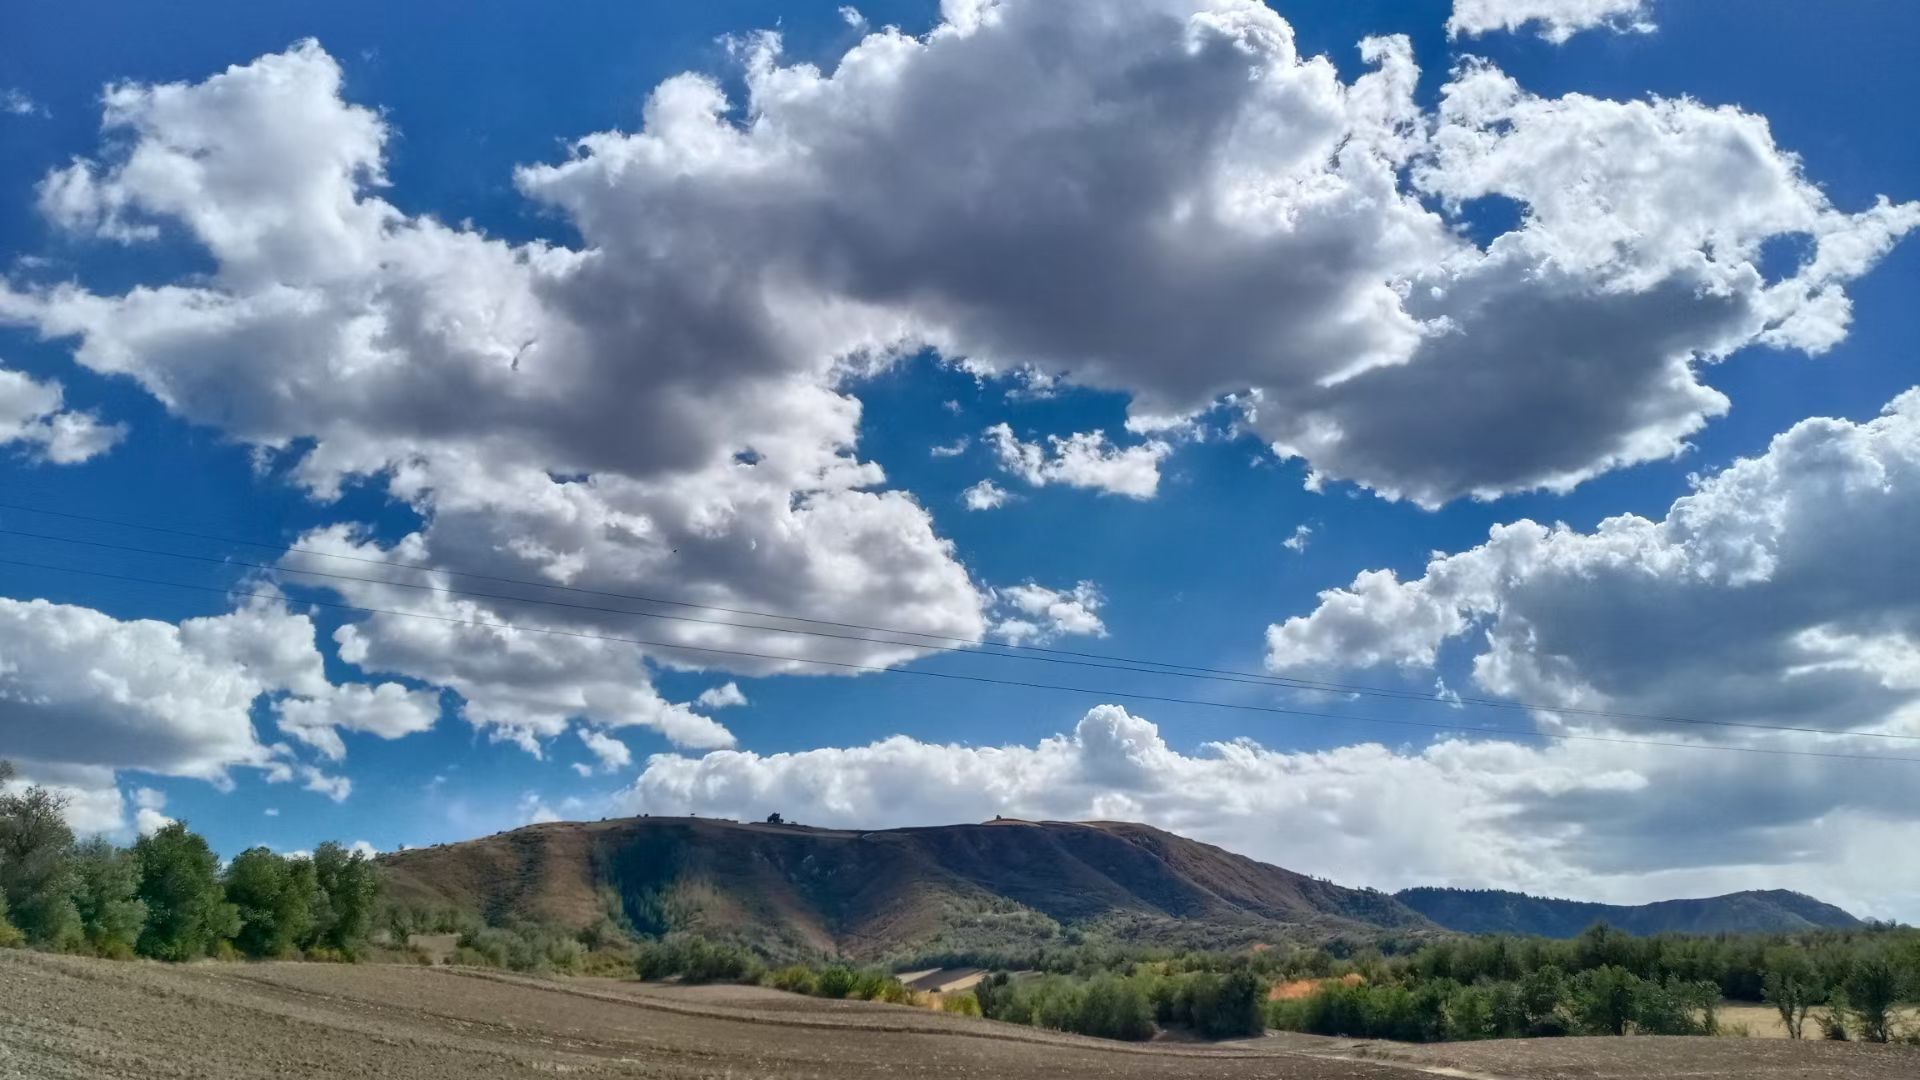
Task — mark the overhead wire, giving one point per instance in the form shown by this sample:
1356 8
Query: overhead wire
1058 657
969 678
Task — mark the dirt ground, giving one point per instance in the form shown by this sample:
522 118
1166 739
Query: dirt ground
64 1018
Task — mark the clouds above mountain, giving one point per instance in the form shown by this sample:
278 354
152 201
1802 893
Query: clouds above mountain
1629 823
1784 589
1436 298
1553 20
87 695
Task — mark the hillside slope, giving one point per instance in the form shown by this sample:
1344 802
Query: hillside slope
1491 911
791 889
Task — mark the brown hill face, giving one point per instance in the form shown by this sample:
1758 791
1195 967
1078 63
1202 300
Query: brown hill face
959 888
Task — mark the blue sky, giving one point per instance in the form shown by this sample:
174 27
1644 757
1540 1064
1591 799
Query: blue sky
882 297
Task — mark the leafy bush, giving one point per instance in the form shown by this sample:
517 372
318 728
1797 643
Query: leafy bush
794 979
526 947
835 982
187 911
106 887
275 897
36 872
963 1003
696 960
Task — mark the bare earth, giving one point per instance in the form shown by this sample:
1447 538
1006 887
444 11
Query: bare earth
63 1018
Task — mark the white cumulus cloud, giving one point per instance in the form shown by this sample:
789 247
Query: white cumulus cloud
1558 20
1082 460
1659 822
1785 589
985 495
612 754
724 696
31 415
1035 614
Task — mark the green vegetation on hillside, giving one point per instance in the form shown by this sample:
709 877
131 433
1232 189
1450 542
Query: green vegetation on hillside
167 897
1496 911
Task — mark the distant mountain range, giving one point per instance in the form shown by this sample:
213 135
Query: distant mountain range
998 888
1491 911
788 889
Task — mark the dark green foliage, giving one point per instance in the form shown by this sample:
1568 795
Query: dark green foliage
528 947
1603 999
106 887
794 979
1872 991
834 982
275 897
165 898
187 910
1216 1005
1492 911
36 873
348 891
696 960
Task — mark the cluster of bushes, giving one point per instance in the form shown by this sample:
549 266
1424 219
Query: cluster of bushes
695 959
1109 1005
167 897
1106 1006
1545 1002
530 947
838 981
1605 982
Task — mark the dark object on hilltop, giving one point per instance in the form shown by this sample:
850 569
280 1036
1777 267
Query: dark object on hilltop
775 819
1493 911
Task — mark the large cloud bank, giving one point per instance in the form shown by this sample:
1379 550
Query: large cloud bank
1162 198
1784 590
1629 823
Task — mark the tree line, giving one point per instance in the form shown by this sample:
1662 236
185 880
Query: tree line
1849 983
167 897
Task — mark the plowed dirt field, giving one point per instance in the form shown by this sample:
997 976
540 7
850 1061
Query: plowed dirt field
63 1018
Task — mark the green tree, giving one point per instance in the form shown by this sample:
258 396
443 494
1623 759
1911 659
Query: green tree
1789 986
106 887
273 896
1603 999
36 871
1873 990
1468 1014
348 894
1113 1008
187 911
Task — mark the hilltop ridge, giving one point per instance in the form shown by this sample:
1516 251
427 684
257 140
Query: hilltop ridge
1495 911
791 889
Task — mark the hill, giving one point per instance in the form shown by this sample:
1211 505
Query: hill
954 889
1491 911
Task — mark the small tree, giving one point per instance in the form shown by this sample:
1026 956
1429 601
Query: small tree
187 910
1468 1014
106 896
1603 999
273 896
348 891
1790 987
36 873
1873 990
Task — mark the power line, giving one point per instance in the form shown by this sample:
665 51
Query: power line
1265 678
1062 660
962 677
